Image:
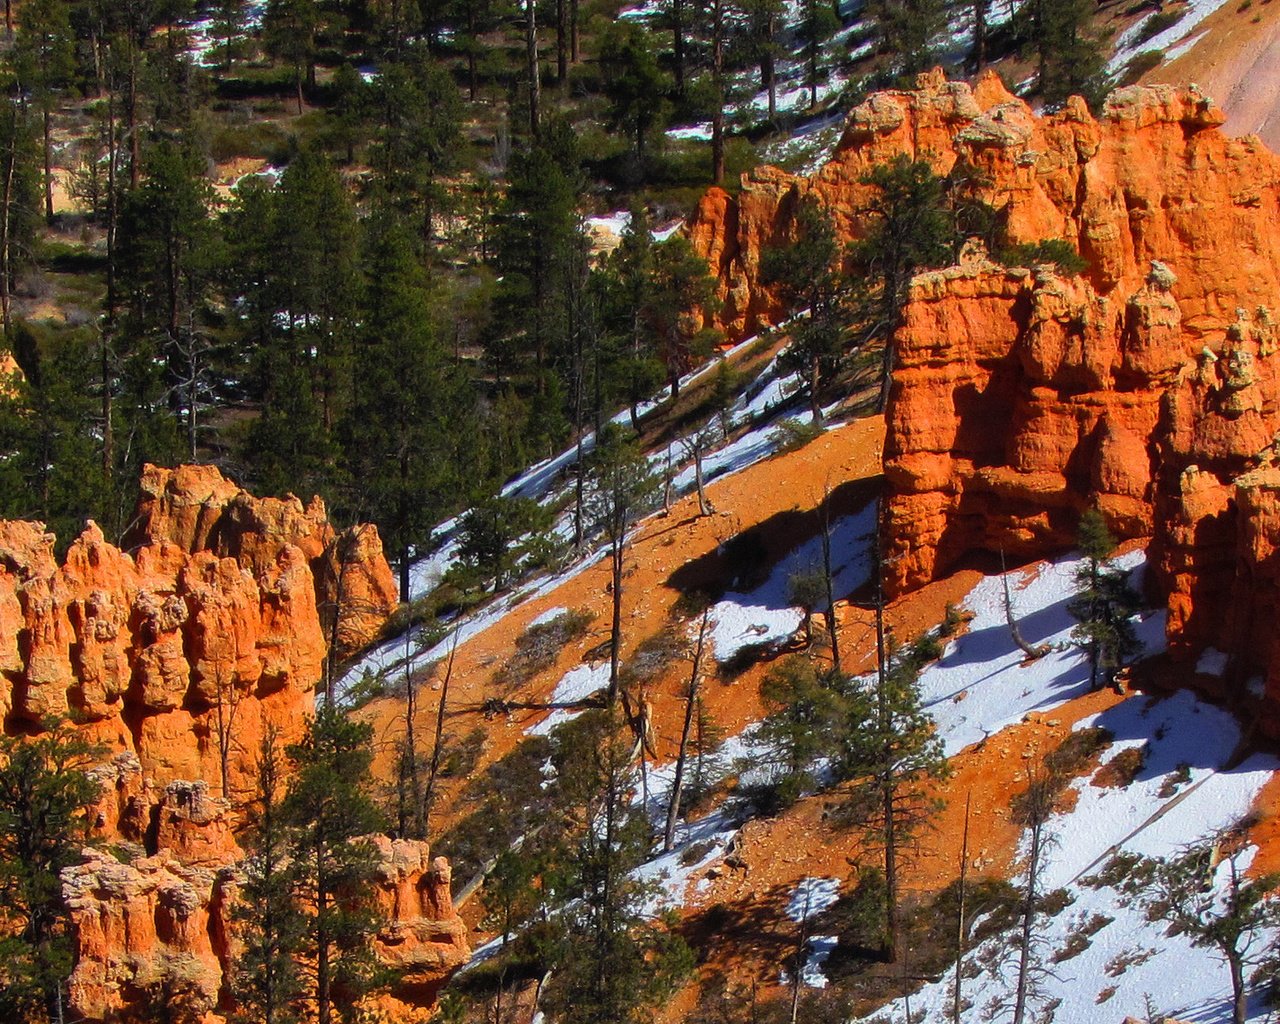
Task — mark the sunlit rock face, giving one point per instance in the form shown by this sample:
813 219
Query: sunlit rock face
1146 386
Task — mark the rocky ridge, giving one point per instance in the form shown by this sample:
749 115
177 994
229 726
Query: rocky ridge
1147 385
212 622
176 652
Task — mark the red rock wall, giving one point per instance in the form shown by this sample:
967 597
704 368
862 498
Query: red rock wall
220 599
1149 386
163 928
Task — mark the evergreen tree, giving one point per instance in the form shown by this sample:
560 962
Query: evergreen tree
326 810
228 26
408 425
622 489
420 116
1104 604
634 84
624 287
538 241
45 60
348 116
613 965
893 754
48 437
809 276
817 24
907 31
911 231
680 298
289 33
267 980
1069 59
19 202
807 715
1207 893
45 787
758 43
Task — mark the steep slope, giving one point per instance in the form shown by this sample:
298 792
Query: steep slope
1146 386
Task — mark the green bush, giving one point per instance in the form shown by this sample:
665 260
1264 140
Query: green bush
1056 251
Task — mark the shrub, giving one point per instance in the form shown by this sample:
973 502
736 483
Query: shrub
1056 251
539 646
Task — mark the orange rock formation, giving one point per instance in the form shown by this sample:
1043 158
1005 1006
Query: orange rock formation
1148 386
177 652
163 928
212 624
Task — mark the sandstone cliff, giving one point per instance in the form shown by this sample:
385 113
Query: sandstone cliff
1148 385
215 621
161 930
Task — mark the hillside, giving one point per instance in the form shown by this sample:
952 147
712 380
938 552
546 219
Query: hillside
794 525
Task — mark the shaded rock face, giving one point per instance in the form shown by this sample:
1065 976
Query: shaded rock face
1147 386
164 927
181 650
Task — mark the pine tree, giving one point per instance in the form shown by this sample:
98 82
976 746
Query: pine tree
228 26
817 24
408 425
894 755
622 489
613 965
267 981
48 436
809 277
758 43
45 787
1070 60
326 810
634 84
907 31
1104 604
1208 894
45 60
911 231
419 122
289 33
679 300
807 714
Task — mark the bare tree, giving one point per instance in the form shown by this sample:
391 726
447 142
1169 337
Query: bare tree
1032 653
690 707
1206 894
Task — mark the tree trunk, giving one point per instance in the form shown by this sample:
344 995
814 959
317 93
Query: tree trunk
957 1003
434 769
691 702
887 783
1240 996
108 331
135 143
531 47
979 52
828 578
1034 653
6 266
562 41
704 506
1028 923
677 41
615 634
717 78
575 46
47 119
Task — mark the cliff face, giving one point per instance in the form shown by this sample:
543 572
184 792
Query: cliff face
177 653
1148 386
213 624
161 930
